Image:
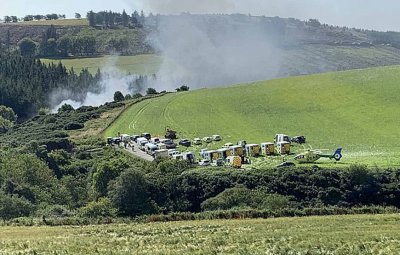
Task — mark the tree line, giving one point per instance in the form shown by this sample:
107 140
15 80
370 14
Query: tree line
52 45
37 17
109 19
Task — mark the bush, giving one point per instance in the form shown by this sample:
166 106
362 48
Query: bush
13 206
151 91
98 209
136 96
242 197
58 211
118 96
74 126
65 108
44 111
130 194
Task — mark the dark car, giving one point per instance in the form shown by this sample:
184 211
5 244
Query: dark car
170 145
298 139
146 135
286 164
135 137
116 140
185 142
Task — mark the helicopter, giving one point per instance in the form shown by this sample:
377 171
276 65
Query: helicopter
311 156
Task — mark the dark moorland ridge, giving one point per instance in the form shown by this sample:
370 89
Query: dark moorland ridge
308 46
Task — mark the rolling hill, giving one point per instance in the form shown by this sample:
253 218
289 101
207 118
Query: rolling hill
355 109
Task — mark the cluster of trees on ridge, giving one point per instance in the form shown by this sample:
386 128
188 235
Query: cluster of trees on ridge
109 19
37 17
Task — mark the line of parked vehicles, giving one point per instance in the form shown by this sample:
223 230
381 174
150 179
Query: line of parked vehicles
230 154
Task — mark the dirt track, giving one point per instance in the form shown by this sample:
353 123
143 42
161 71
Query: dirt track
140 154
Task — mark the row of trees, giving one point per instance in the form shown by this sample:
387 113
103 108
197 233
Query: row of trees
54 43
53 46
37 17
109 19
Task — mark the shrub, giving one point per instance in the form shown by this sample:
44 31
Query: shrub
58 211
73 126
242 197
98 209
13 206
151 91
130 194
65 108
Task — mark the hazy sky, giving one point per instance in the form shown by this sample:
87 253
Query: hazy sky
372 14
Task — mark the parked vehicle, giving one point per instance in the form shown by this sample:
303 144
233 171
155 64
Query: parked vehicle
242 143
227 145
170 134
224 153
141 142
134 137
252 150
146 135
298 139
216 138
185 142
159 154
207 139
173 152
204 162
234 161
155 140
197 141
161 146
267 149
281 138
150 148
237 150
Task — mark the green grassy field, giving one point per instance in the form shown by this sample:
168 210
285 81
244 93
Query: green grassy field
60 22
367 234
357 110
141 64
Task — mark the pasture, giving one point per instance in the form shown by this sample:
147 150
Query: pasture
140 64
357 110
364 234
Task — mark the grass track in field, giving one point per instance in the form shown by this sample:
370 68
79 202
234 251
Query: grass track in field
350 235
141 64
358 110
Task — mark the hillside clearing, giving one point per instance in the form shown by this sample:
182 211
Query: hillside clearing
357 110
367 234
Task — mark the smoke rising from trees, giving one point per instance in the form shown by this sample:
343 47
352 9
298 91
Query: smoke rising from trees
207 51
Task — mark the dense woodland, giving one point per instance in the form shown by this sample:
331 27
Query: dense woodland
26 83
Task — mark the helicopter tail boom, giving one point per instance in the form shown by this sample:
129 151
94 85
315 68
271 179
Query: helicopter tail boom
337 155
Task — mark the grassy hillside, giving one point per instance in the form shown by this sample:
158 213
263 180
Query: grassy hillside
141 64
368 234
318 58
354 109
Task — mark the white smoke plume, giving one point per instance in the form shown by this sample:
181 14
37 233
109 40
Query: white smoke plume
206 51
112 80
